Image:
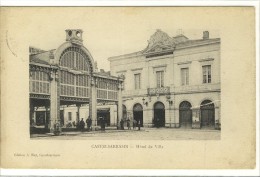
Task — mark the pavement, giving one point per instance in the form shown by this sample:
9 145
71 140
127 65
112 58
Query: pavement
143 134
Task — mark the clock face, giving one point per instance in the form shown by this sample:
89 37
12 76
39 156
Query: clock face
78 33
70 33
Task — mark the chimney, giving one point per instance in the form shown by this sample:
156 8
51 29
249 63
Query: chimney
205 35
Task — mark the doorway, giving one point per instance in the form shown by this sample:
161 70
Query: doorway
159 115
207 114
138 113
185 114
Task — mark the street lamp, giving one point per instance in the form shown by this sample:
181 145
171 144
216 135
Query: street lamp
168 97
145 102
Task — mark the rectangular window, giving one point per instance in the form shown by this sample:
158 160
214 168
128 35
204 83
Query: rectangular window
160 79
206 71
137 81
184 76
69 116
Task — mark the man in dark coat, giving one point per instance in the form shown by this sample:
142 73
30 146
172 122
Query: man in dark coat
102 123
89 123
139 124
82 125
122 124
134 124
128 124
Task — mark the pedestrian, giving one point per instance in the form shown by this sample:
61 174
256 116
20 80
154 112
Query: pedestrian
82 125
134 124
128 124
157 122
122 124
89 123
77 125
102 123
139 125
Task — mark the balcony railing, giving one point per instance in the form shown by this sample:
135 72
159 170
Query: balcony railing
168 90
160 91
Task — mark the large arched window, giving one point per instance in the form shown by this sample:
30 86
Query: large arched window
74 74
74 58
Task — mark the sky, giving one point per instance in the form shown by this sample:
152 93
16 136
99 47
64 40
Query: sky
111 31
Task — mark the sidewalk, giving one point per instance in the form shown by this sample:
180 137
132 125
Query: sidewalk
111 130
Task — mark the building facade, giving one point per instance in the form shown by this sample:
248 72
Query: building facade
65 86
173 82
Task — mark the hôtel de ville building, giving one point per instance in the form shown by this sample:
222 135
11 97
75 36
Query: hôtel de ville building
173 82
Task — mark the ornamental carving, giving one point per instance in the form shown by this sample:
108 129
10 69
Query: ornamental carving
159 41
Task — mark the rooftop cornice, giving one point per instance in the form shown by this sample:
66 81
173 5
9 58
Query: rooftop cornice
177 47
107 76
44 65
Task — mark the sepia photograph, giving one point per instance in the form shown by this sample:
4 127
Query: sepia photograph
168 90
153 88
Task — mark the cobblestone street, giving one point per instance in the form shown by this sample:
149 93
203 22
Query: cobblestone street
143 134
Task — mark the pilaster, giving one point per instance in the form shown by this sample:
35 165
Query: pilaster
93 101
119 105
55 126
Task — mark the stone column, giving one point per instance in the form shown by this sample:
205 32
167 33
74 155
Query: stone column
46 119
78 114
217 118
119 105
31 113
176 118
146 118
150 116
55 126
170 117
93 102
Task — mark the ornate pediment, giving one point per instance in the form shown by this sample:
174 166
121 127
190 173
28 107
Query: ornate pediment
159 41
158 48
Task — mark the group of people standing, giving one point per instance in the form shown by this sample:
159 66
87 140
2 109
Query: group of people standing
88 122
135 124
102 122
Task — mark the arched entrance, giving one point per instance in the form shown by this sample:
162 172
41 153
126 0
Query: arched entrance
207 114
138 113
185 114
159 115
